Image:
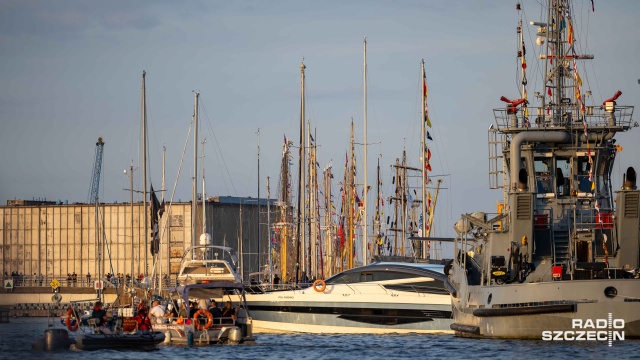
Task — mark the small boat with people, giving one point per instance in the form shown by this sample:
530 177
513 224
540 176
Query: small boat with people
103 331
99 330
205 279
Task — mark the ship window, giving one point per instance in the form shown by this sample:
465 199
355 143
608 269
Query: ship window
563 174
391 275
542 167
584 185
346 278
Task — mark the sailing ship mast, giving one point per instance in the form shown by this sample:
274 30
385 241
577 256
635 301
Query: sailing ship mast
365 188
144 174
376 218
194 201
283 227
424 150
351 191
329 268
301 180
205 238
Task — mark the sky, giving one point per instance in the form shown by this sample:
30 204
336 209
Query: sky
71 72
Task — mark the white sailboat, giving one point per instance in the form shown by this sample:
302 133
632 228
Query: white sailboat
205 274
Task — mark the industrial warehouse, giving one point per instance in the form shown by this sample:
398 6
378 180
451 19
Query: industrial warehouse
44 240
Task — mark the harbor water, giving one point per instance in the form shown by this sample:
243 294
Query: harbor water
17 337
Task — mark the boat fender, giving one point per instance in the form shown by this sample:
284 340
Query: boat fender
72 326
209 318
167 337
322 284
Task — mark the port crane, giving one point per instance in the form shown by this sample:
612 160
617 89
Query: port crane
95 174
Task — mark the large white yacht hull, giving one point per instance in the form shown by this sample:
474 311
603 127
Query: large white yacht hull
350 309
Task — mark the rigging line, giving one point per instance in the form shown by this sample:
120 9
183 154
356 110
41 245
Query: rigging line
107 245
173 192
219 154
537 69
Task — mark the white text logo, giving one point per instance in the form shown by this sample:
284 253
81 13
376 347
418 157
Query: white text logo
608 330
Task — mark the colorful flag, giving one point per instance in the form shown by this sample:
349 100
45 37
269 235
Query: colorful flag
429 136
570 36
425 94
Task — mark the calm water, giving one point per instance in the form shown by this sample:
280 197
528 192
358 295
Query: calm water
16 339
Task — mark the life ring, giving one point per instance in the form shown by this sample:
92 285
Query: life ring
71 326
197 323
321 282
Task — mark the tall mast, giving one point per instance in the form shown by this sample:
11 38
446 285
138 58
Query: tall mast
301 177
144 173
204 215
259 242
351 203
194 201
376 222
423 166
310 263
269 231
164 153
364 195
131 204
404 202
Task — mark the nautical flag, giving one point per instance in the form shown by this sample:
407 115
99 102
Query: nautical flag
425 93
311 136
593 9
570 36
341 232
429 136
155 236
429 199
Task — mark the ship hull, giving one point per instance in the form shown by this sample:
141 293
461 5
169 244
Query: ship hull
535 310
339 310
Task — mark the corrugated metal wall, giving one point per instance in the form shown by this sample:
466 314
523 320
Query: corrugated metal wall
54 240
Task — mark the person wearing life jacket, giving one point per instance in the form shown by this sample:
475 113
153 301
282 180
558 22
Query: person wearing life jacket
143 320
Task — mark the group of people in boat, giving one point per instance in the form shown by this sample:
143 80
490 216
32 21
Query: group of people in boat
159 314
